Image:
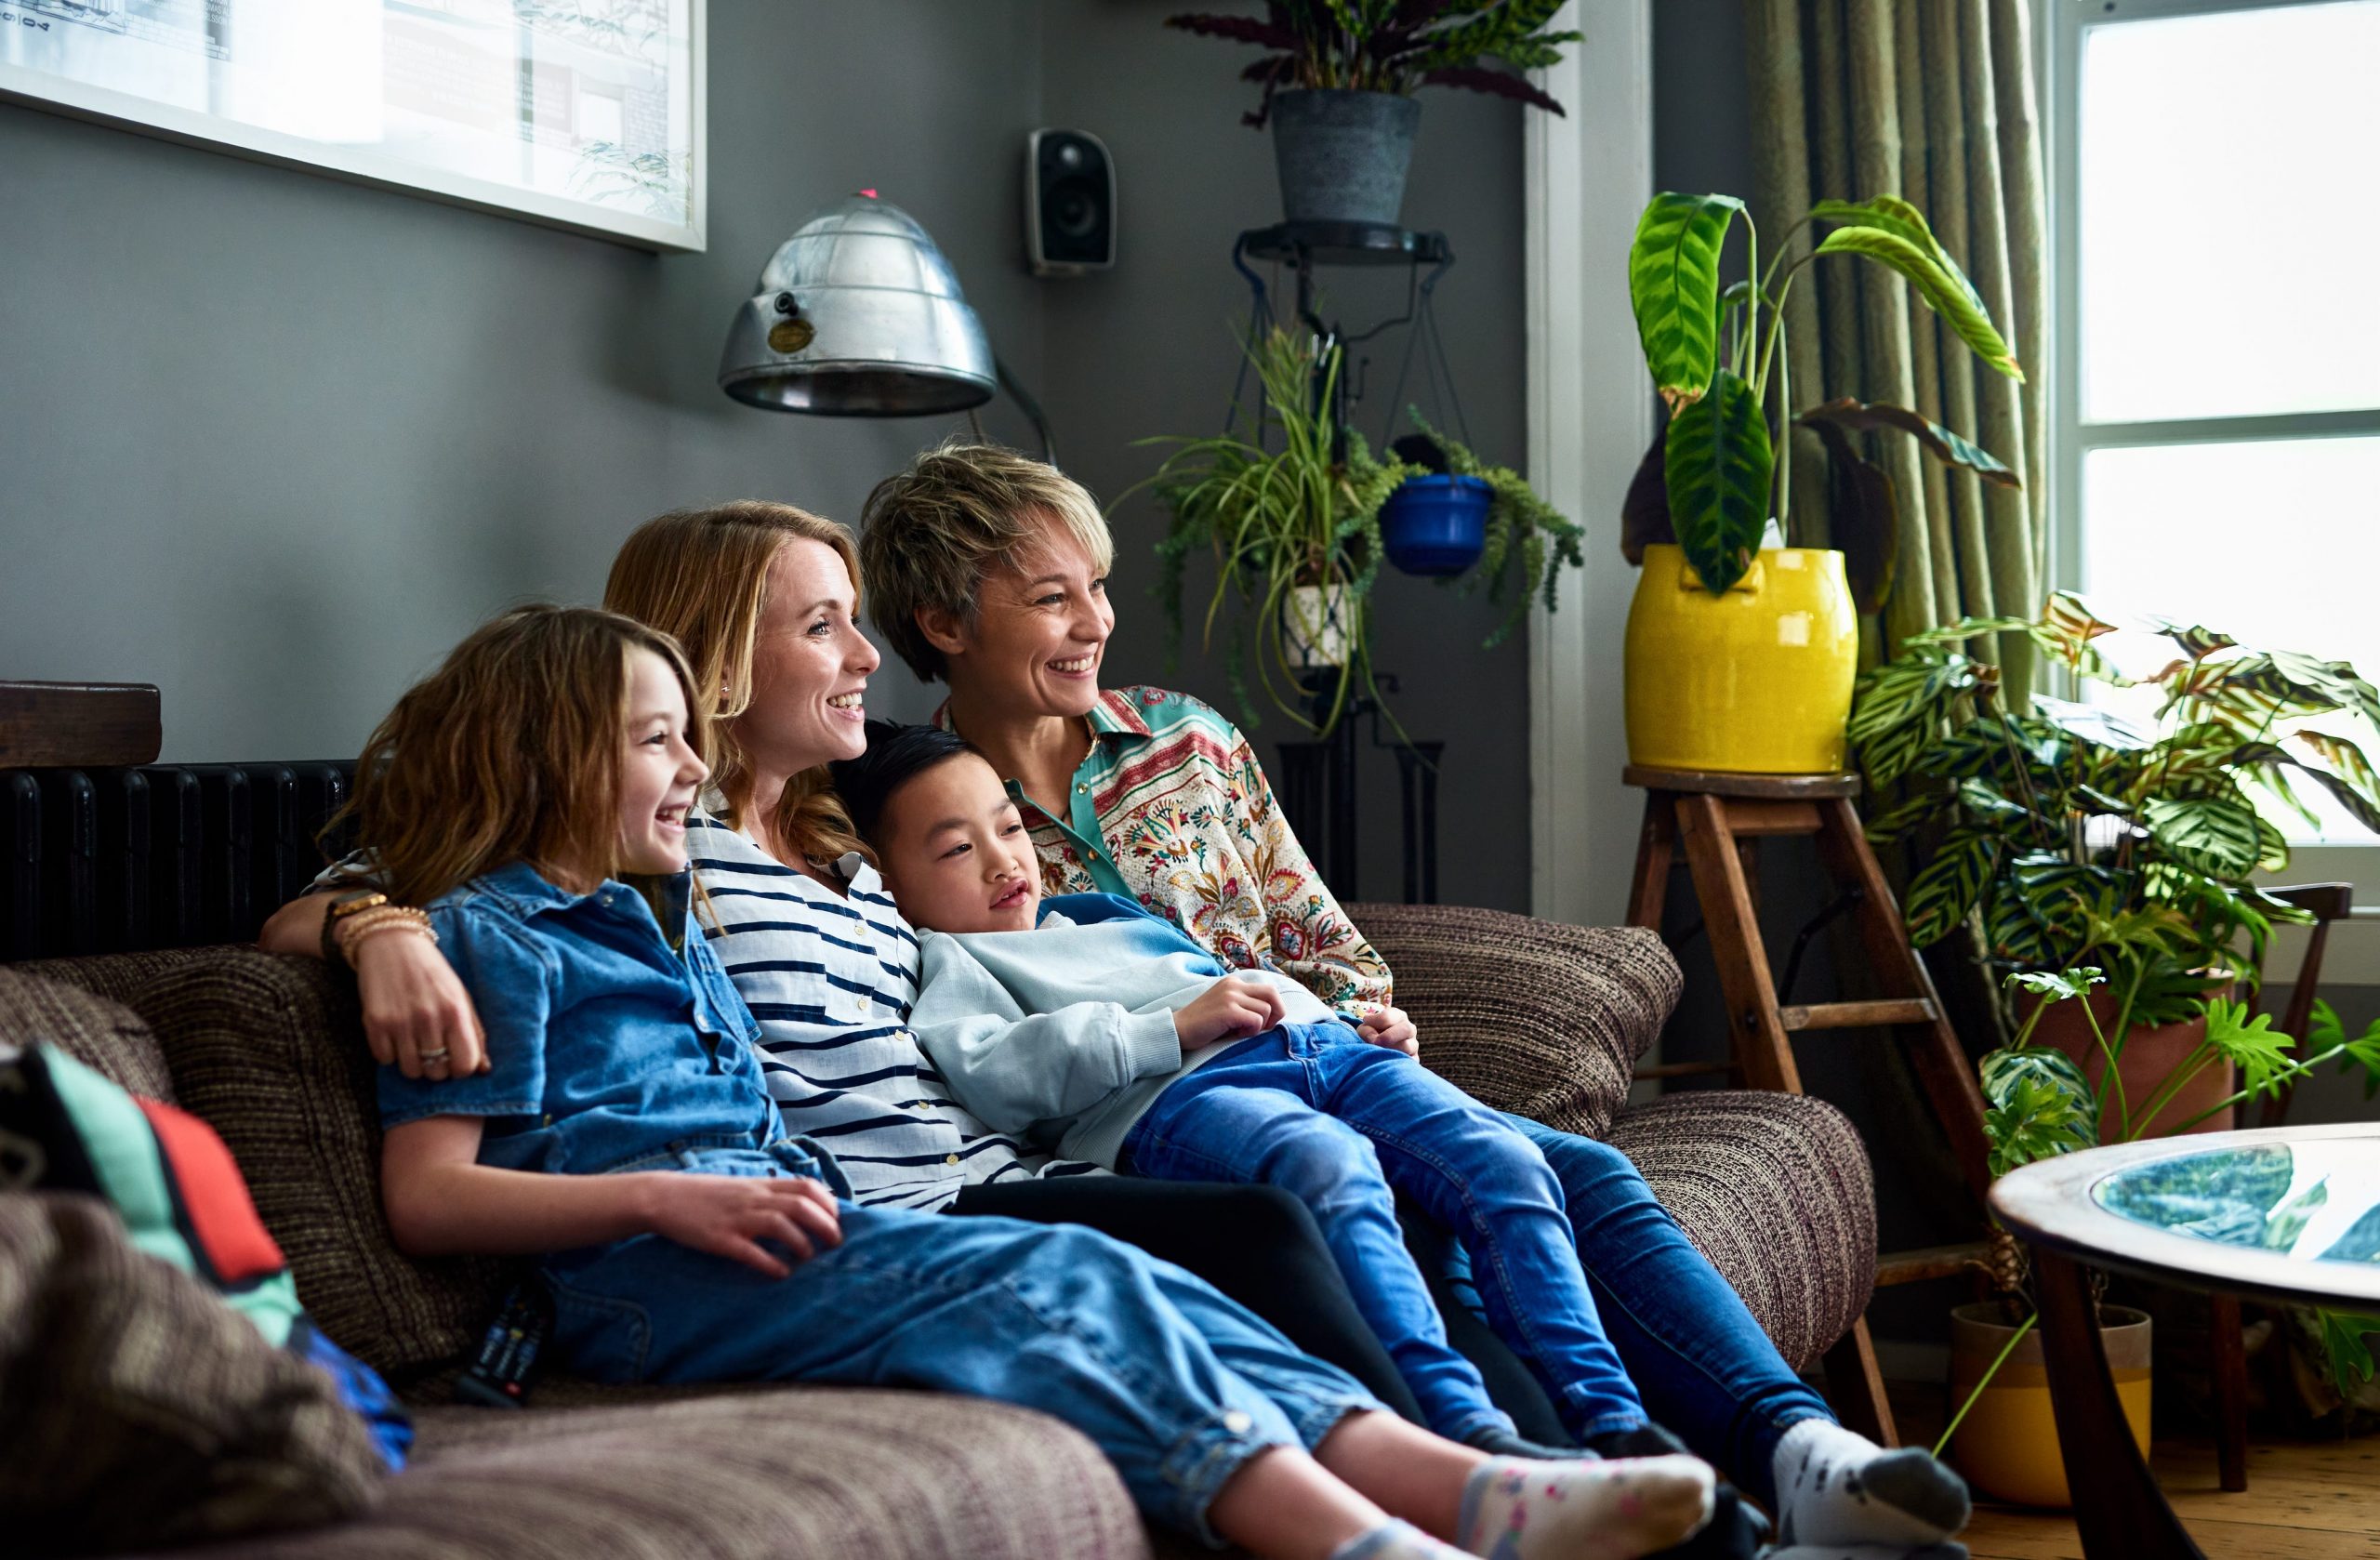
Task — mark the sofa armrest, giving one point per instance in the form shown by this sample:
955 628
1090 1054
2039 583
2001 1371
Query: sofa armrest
1530 1017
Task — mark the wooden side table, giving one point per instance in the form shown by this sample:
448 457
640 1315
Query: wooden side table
1720 820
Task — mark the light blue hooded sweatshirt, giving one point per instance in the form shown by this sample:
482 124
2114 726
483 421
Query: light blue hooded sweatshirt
1065 1034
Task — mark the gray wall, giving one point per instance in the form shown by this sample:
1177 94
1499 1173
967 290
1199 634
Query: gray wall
275 442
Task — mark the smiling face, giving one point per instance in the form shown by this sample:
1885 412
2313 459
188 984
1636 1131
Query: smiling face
810 664
955 854
659 770
1041 630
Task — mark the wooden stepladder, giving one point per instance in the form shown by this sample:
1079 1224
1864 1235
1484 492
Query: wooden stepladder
1719 820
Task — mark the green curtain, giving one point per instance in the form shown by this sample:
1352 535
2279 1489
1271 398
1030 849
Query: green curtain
1933 100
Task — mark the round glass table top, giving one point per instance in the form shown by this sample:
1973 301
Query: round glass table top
2317 1201
2287 1213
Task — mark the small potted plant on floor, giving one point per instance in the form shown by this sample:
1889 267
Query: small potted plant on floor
2106 862
1457 510
1742 658
1290 511
1337 79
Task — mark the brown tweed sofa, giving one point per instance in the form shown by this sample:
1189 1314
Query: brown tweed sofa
1527 1015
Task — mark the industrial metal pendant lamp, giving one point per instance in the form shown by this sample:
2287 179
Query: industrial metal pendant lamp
858 314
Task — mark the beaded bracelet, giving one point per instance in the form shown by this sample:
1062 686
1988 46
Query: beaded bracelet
354 928
353 902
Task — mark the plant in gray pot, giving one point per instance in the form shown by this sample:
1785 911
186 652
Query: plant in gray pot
1337 77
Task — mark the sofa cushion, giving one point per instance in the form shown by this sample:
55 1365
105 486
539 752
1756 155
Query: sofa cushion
787 1472
1532 1016
136 1407
1776 1190
267 1049
104 1036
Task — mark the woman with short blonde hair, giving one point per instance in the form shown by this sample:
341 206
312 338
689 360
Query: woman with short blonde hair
1152 795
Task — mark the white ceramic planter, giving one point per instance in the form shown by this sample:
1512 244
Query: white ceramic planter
1318 626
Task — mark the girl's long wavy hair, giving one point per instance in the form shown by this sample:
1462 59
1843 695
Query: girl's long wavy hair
702 576
510 751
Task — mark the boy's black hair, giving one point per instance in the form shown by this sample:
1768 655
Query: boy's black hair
896 755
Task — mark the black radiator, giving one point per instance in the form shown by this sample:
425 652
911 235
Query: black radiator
163 856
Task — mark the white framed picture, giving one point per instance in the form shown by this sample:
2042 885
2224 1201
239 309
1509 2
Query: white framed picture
585 114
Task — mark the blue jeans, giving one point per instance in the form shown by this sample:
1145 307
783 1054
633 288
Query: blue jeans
1705 1369
1338 1122
1179 1386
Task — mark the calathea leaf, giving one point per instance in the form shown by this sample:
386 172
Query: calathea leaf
1893 752
2016 934
1853 415
2095 724
2212 835
1945 291
1902 219
2069 619
1990 805
1966 629
1946 887
1863 515
1644 514
2344 772
1902 817
1913 689
1716 464
1673 287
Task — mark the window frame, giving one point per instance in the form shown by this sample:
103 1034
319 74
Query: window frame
2059 66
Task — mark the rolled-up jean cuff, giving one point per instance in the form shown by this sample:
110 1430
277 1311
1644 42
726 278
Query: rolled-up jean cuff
1320 1416
1473 1425
1204 1458
1619 1420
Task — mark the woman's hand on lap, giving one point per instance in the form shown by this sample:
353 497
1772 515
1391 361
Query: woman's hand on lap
731 1215
414 1003
1389 1026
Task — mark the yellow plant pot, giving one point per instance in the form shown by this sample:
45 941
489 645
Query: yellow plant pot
2007 1445
1757 681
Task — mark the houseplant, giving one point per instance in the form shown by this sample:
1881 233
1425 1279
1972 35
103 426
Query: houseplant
2108 862
1521 543
1741 659
1294 531
2040 1106
1337 77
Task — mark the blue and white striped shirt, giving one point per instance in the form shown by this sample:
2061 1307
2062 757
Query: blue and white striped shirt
831 978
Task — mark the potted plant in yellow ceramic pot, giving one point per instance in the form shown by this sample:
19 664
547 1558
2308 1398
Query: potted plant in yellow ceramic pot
1742 657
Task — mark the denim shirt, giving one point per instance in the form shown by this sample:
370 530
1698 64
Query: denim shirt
608 1050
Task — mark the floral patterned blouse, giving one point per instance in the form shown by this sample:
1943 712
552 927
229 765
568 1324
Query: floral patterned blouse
1172 807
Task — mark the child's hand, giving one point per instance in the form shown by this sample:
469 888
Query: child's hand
729 1215
1231 1009
1389 1026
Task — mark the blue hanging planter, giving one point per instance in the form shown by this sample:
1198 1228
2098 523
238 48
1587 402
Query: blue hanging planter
1435 525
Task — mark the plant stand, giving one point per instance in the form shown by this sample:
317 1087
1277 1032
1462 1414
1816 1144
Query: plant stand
1720 820
1318 794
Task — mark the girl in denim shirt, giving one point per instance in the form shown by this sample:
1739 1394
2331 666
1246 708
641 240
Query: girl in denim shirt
621 1130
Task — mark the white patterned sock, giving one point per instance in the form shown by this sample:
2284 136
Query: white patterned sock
1395 1541
1518 1510
1837 1489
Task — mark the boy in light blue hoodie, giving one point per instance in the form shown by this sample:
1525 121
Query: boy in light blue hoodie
1105 1033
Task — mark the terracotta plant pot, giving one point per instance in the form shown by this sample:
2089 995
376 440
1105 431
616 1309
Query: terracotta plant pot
2150 1057
2007 1445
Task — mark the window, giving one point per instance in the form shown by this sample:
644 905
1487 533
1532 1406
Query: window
2216 179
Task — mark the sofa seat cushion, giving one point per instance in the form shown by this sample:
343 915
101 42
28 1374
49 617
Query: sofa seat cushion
1776 1190
795 1473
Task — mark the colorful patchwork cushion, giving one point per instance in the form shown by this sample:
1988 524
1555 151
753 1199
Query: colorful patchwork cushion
64 1128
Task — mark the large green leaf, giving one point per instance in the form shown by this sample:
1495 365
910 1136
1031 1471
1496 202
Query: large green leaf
1946 887
1913 690
2042 1106
1716 463
1863 516
1852 414
2344 772
1903 221
1950 299
2209 834
1674 286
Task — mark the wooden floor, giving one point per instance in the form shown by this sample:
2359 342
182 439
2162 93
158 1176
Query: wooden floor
2304 1499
